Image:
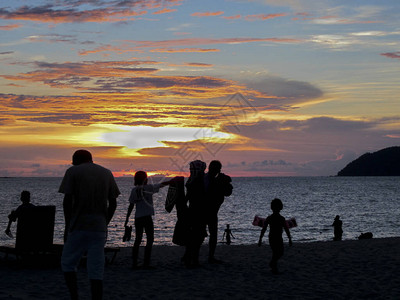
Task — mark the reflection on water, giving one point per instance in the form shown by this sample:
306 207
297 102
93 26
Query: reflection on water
364 204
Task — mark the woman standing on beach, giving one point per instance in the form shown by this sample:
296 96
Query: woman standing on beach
277 224
195 195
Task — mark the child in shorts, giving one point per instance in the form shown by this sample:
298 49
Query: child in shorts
277 224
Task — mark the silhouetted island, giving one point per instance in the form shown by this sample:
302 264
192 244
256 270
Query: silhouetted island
385 162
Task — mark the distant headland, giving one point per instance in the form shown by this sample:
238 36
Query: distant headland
385 162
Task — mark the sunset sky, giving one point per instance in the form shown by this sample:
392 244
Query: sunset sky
268 87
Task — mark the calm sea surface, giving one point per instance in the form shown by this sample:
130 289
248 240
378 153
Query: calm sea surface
364 204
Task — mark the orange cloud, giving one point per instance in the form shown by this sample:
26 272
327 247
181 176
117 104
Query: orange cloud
264 16
183 50
82 75
232 17
198 65
10 27
110 48
207 14
164 11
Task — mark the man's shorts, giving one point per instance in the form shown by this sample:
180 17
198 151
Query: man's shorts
78 242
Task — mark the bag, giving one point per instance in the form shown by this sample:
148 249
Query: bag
176 191
366 235
226 184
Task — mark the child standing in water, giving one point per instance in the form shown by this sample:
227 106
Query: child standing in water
277 224
228 234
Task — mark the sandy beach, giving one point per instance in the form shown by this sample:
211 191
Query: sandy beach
365 269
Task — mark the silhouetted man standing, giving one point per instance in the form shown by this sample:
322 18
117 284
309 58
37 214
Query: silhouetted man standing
218 185
89 204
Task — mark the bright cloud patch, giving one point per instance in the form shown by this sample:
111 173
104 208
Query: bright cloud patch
140 137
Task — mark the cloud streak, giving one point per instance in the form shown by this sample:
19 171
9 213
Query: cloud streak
395 55
78 11
207 14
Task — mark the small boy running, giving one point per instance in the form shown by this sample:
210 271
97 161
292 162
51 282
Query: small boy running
276 223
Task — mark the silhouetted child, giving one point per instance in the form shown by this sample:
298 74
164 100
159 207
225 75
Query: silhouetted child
276 223
228 234
13 216
337 229
142 196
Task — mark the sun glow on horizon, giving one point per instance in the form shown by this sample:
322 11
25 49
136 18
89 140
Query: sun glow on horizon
139 137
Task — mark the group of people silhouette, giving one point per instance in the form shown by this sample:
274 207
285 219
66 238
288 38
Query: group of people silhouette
90 193
197 210
89 203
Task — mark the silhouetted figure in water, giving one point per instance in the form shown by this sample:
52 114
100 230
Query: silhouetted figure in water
337 229
228 234
13 216
142 196
277 224
217 186
195 196
90 194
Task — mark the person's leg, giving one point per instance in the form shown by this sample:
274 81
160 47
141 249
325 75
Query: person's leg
149 228
277 253
71 255
95 262
212 243
72 285
96 287
139 227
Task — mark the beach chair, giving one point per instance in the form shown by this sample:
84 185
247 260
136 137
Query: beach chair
35 232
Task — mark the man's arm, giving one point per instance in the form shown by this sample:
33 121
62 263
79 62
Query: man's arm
112 206
67 206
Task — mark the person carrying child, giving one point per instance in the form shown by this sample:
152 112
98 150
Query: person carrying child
277 224
142 196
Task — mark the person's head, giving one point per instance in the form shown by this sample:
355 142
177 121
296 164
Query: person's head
81 156
214 167
140 178
276 205
25 196
227 226
337 217
197 167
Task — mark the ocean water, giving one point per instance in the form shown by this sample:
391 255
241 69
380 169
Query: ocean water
364 204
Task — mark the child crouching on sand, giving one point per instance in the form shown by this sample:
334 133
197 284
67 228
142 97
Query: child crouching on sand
276 223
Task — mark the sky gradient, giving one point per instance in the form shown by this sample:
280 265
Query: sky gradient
268 87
